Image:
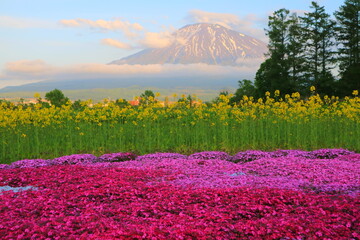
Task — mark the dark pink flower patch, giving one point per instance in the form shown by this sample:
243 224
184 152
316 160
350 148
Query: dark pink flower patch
277 197
107 203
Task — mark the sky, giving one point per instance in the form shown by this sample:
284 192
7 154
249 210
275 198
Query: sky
49 39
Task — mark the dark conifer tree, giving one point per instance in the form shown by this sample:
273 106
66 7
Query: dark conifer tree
320 55
274 72
348 35
296 55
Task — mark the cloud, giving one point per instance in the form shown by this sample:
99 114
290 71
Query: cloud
28 68
157 40
29 71
21 23
224 19
129 29
133 31
246 24
116 43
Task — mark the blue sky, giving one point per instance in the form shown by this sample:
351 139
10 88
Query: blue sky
39 37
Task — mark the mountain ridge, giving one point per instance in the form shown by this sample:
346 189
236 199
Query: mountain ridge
207 43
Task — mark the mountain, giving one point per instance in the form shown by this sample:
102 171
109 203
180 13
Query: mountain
206 56
202 43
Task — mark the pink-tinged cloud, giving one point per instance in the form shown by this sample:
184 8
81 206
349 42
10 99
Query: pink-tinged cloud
39 70
128 28
28 67
157 40
70 23
116 43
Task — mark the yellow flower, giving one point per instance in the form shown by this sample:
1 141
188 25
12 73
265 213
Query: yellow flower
312 88
277 93
355 92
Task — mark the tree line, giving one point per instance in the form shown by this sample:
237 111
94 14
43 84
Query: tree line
305 51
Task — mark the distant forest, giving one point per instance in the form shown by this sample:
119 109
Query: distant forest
304 50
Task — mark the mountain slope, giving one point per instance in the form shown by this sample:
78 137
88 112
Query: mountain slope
202 43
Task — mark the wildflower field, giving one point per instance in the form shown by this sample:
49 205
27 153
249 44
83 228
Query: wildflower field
284 194
267 123
183 171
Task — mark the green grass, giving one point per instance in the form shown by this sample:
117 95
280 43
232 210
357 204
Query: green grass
168 134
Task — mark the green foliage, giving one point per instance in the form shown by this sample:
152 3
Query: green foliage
302 52
218 98
76 105
246 88
186 101
274 73
56 98
147 97
348 36
169 133
319 31
122 102
350 80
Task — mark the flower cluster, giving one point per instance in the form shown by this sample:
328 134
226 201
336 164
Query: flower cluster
240 157
156 156
330 153
210 155
117 157
30 163
248 156
4 166
252 155
74 159
91 202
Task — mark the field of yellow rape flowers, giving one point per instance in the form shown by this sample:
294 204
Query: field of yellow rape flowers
267 123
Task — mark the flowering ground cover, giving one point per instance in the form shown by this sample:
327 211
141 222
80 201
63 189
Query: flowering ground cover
286 194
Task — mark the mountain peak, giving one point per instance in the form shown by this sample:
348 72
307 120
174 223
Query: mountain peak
202 43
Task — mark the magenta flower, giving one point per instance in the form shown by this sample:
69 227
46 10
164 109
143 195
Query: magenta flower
117 157
30 163
210 155
75 159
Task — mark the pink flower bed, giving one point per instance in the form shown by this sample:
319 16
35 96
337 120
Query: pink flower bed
178 197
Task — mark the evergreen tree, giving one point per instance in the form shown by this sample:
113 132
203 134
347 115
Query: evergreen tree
273 74
320 57
296 55
348 35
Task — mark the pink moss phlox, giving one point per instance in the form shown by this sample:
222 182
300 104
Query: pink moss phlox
354 158
117 157
161 156
30 163
210 155
330 153
74 159
4 166
88 202
249 155
252 155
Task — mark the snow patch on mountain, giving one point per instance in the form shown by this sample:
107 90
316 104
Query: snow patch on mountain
202 43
